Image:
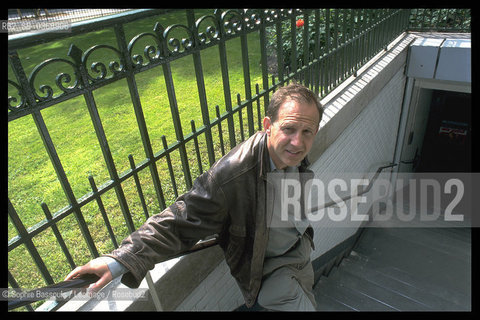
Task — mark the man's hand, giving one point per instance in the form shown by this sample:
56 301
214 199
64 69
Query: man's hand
96 266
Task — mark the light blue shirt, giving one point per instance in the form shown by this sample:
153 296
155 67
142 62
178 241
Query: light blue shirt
283 234
116 268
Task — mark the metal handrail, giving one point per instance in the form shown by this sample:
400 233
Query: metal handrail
331 203
85 280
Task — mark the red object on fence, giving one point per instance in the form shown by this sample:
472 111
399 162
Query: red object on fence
300 23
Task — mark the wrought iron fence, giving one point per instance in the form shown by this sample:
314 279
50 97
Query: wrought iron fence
339 42
448 20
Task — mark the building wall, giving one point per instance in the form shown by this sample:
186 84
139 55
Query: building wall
366 144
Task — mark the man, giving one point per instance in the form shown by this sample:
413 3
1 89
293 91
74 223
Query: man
268 256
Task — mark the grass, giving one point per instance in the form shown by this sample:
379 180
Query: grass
32 179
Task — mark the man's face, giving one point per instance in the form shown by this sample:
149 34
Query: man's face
291 136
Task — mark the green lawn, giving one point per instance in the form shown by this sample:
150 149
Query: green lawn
32 180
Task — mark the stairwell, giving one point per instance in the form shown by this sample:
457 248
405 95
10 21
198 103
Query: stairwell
401 269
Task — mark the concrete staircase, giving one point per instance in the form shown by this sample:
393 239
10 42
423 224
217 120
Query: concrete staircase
401 269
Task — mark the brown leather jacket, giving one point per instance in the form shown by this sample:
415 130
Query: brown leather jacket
228 200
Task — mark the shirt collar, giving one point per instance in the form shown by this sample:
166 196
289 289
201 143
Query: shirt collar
287 169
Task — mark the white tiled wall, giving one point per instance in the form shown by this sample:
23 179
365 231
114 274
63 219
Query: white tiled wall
366 144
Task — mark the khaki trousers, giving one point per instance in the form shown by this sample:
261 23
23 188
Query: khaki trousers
288 280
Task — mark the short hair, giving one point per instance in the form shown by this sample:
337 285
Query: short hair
293 91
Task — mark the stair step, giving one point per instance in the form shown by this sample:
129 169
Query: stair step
411 288
353 299
326 303
447 241
422 261
407 269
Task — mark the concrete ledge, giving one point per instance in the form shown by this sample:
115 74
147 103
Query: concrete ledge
346 102
176 284
174 280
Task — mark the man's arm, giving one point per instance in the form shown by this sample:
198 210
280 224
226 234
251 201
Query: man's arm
197 214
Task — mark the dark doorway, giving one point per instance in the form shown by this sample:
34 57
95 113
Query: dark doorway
447 142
